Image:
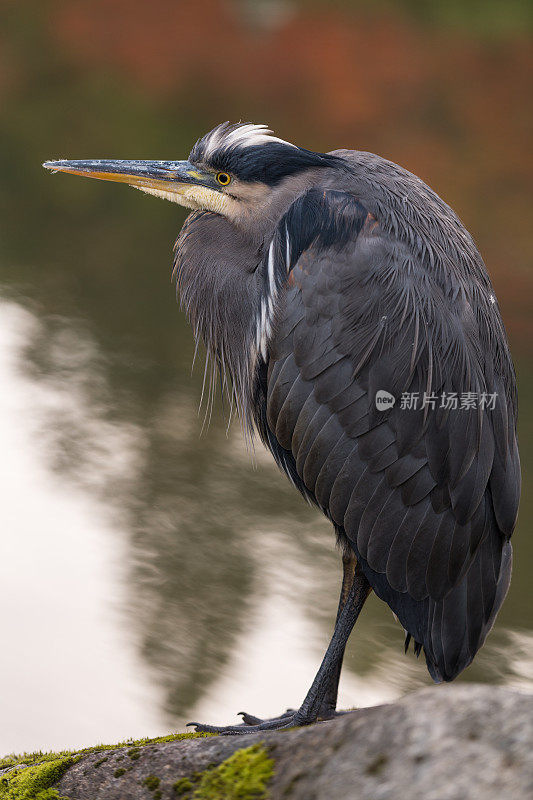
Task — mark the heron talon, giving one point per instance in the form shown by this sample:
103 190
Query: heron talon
249 719
199 728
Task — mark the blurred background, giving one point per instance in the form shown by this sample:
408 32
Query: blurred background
152 573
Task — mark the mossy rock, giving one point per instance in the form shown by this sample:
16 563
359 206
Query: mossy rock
34 782
242 776
486 731
31 776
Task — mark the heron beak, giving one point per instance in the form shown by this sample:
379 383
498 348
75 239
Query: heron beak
173 180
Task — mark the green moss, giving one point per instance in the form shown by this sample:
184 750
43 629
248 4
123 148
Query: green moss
30 758
151 782
182 786
39 756
158 794
34 783
99 763
118 773
242 776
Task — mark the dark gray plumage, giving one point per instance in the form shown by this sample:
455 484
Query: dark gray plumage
321 280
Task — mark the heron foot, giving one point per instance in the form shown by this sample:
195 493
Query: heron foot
321 699
324 714
252 724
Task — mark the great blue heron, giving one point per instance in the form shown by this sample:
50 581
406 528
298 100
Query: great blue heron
360 330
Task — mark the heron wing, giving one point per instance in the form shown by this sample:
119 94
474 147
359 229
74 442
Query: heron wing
426 494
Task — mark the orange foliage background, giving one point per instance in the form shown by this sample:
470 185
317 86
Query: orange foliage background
451 107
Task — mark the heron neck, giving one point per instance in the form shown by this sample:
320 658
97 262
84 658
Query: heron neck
219 285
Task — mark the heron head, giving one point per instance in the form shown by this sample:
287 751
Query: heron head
241 171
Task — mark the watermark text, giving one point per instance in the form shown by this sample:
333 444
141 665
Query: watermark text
450 401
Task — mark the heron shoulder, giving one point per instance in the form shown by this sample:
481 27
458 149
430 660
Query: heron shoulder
411 210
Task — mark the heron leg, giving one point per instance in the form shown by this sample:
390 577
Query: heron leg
325 683
329 703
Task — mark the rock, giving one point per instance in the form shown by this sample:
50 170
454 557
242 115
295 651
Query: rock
443 743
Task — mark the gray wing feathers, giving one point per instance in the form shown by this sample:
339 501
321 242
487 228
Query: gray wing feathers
426 497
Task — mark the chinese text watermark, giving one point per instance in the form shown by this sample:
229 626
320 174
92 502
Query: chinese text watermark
449 401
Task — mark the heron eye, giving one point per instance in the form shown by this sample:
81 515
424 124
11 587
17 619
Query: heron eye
223 178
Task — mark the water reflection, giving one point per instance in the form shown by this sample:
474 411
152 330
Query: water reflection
151 576
69 670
